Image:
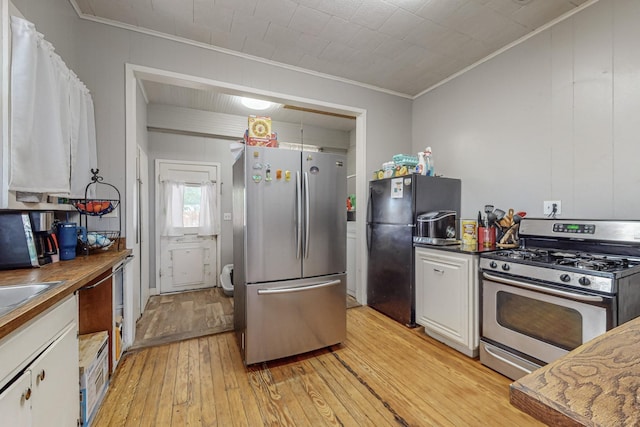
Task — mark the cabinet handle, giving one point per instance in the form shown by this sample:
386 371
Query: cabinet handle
437 270
41 375
27 394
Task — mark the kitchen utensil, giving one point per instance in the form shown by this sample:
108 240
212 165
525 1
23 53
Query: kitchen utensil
488 208
491 219
499 213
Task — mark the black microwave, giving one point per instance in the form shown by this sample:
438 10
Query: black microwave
17 245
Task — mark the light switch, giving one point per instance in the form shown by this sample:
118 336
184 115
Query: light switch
227 216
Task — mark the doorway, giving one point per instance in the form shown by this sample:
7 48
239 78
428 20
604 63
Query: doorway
187 195
134 101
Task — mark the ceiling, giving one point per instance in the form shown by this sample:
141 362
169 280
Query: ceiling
401 46
210 100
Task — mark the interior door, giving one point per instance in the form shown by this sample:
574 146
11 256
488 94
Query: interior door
186 261
325 187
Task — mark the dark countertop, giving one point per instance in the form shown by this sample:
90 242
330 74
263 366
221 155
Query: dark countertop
75 273
461 249
595 385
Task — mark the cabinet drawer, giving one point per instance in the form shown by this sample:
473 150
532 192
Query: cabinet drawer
21 346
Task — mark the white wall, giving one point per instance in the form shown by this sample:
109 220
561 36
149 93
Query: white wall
554 118
101 52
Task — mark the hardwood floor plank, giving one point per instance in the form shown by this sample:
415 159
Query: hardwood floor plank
249 402
325 402
154 390
194 404
358 400
165 403
220 399
207 401
293 393
384 374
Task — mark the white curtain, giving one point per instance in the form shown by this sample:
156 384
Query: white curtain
172 201
209 221
52 123
83 139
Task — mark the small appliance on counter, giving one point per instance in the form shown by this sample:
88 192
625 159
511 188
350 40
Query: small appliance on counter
17 243
45 238
436 228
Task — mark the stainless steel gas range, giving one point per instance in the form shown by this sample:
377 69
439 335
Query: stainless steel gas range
570 281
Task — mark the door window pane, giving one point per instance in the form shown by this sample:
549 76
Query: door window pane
191 206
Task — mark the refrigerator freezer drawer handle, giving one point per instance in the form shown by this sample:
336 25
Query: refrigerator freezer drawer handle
298 288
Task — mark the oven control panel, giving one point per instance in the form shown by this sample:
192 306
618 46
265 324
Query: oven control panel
560 227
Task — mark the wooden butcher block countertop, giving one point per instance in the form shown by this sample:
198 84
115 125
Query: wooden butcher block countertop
75 273
597 384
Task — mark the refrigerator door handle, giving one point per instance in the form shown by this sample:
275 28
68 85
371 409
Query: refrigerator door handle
298 288
369 203
298 215
306 215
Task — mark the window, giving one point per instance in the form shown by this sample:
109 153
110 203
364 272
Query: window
191 205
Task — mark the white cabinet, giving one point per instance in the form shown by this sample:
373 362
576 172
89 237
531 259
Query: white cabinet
446 284
15 405
39 373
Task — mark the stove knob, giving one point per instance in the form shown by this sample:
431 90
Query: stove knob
493 264
584 281
505 267
565 278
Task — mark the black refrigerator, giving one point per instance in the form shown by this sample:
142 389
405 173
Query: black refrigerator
393 205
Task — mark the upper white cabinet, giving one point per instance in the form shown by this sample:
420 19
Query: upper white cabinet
446 286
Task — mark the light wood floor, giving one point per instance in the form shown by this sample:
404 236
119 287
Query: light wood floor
384 374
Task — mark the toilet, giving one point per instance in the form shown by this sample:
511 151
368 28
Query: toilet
226 279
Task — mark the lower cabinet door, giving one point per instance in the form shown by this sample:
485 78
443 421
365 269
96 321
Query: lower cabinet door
15 402
443 295
55 383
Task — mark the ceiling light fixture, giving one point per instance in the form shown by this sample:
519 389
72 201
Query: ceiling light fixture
255 104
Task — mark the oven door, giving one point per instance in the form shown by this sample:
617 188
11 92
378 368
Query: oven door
540 320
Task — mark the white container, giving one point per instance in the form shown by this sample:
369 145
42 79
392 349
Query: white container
225 280
94 373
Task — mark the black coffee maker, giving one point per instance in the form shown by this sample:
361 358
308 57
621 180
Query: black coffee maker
45 238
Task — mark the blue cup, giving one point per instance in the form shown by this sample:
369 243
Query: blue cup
68 239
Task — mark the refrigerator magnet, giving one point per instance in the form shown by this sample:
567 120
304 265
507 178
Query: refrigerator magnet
397 189
287 176
257 178
278 174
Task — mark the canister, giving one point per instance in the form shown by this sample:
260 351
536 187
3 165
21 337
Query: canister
469 232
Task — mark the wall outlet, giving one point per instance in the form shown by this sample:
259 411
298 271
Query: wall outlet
227 216
549 205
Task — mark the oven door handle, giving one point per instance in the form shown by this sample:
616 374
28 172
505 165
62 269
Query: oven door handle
543 289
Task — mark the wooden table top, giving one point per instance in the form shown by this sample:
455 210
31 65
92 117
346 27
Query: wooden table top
75 274
595 385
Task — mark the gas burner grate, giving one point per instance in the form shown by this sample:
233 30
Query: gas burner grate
595 263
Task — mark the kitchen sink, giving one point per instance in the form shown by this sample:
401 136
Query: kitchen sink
14 296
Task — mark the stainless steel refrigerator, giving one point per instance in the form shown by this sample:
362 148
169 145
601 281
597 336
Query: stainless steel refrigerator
289 251
393 205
